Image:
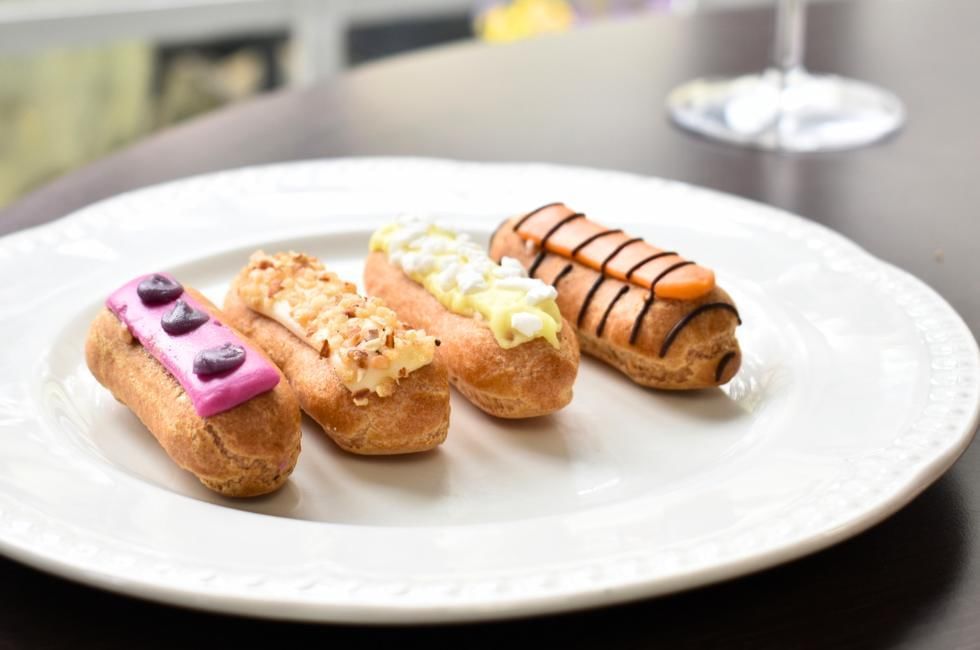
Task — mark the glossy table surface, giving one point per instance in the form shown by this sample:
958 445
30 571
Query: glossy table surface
595 97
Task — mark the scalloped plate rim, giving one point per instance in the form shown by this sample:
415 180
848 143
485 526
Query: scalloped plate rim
513 607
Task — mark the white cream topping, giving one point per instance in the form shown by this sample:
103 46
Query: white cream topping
460 274
525 323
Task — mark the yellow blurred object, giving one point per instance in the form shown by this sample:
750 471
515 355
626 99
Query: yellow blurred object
519 19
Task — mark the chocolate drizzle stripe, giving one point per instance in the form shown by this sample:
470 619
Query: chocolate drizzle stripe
589 240
536 263
635 332
669 269
602 278
557 226
544 240
588 299
616 252
561 274
636 267
649 301
691 315
602 323
722 364
530 214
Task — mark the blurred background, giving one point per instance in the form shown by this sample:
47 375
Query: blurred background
79 78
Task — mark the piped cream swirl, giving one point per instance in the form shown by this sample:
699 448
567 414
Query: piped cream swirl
461 276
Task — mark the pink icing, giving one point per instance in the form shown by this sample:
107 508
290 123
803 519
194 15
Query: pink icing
209 395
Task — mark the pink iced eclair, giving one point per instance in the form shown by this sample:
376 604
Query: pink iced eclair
214 402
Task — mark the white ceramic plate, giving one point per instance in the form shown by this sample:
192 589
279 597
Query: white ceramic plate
859 388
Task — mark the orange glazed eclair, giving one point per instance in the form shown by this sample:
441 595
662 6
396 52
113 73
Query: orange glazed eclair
648 312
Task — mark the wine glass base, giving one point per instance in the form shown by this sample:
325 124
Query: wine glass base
794 111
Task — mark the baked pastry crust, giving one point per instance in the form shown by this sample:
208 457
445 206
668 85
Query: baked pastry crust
245 451
528 380
704 352
414 418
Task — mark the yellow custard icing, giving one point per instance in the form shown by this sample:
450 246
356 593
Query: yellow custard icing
461 276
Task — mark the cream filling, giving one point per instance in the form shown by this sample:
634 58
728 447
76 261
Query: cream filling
465 280
366 378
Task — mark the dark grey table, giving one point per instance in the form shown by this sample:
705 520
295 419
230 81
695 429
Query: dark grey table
595 97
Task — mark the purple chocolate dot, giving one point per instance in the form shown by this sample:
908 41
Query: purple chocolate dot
182 319
220 359
158 289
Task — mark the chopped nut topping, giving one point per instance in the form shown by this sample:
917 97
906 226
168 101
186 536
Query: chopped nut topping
386 387
274 287
365 343
359 357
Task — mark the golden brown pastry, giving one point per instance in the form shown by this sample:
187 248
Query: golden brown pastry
650 313
224 413
503 341
370 382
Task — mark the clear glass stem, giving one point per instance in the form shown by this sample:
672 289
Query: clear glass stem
785 108
789 35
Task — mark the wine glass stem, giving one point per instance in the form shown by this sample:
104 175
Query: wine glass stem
788 36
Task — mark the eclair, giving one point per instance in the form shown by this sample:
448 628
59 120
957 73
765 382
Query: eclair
648 312
215 403
505 344
371 382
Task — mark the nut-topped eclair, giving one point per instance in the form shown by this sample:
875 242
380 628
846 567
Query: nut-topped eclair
371 382
648 312
504 342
